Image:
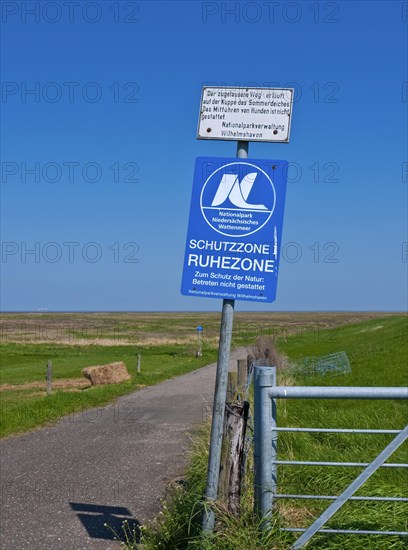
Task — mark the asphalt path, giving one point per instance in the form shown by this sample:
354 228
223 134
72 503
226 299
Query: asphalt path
61 484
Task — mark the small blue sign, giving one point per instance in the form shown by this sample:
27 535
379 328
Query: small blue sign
200 328
235 227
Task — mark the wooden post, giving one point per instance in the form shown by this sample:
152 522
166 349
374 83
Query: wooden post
232 385
242 376
199 352
139 362
48 377
232 455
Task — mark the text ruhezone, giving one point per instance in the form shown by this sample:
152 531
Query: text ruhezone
206 255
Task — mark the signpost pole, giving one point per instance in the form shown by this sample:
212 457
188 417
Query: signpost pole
242 149
220 395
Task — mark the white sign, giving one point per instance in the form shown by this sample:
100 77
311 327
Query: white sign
245 114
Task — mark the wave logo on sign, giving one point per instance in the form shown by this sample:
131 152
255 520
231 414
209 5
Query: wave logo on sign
237 199
237 192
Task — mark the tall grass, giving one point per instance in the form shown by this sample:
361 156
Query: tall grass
178 527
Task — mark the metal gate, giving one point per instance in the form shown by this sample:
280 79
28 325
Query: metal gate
266 452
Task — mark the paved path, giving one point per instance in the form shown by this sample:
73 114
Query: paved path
60 484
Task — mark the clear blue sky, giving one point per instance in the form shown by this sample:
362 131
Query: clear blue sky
116 91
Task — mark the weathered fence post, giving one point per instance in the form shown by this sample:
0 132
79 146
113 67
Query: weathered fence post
232 455
242 376
250 369
48 377
265 443
232 386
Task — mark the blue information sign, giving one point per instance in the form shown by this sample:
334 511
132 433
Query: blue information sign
235 227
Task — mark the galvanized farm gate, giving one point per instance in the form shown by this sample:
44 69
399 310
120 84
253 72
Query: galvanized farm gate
266 452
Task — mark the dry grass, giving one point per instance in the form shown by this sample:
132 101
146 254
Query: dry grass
295 516
69 383
112 373
265 350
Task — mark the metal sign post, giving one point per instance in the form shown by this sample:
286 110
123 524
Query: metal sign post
235 225
220 395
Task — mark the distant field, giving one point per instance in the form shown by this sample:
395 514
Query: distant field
75 341
160 328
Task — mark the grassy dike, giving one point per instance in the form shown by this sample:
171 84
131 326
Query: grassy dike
24 407
378 353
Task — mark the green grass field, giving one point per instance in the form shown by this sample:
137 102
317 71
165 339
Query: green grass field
378 354
377 350
23 366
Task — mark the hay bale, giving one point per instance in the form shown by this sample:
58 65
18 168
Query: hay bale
112 373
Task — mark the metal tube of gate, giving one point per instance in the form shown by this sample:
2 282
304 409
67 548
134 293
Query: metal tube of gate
220 395
265 443
338 392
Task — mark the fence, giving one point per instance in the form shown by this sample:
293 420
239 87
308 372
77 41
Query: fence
266 451
335 363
